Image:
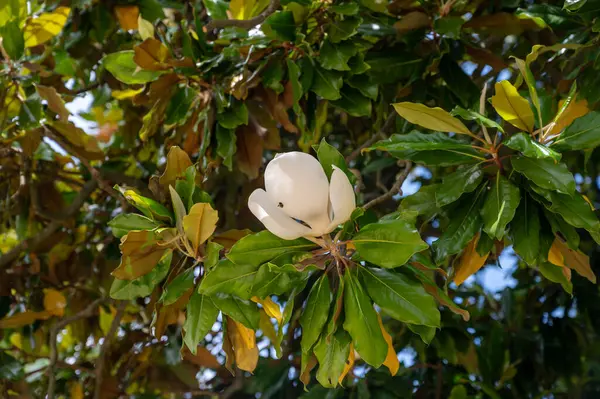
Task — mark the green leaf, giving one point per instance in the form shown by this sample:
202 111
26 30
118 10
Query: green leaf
200 316
294 78
259 248
238 309
423 201
216 9
573 5
435 119
525 231
315 314
464 223
13 42
555 274
234 116
179 105
342 30
459 83
401 296
530 148
329 156
178 209
282 26
327 84
364 84
179 286
345 8
272 279
431 149
226 145
470 115
449 26
361 321
389 243
144 285
332 354
11 369
464 180
582 134
125 222
426 333
499 206
390 67
213 251
546 173
230 278
575 210
336 56
149 207
353 102
561 228
272 76
123 68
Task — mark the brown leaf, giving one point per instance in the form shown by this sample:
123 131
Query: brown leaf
140 253
575 260
501 24
54 302
305 373
442 298
152 55
230 237
243 341
202 358
486 57
411 21
470 262
249 152
177 162
127 16
23 319
85 144
277 109
55 102
350 364
200 224
31 140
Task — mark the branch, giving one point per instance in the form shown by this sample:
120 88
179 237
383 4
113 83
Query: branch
105 346
51 228
396 188
244 23
379 135
89 311
238 383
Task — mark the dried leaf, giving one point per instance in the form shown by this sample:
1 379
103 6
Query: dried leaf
202 358
411 21
200 224
151 55
270 307
349 364
177 162
127 16
87 145
230 237
243 341
249 151
470 262
23 319
55 102
575 260
54 302
391 360
140 253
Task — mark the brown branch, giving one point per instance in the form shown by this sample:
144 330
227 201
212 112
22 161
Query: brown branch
105 346
51 228
244 23
379 135
396 188
89 311
238 384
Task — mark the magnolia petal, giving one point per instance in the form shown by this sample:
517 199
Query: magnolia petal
341 196
274 219
297 183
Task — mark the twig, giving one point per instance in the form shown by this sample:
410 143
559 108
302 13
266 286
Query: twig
89 311
379 135
105 346
244 23
51 228
238 383
396 188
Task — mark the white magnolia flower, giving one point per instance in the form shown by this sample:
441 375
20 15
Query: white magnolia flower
299 201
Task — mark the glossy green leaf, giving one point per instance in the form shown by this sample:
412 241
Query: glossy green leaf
525 231
201 314
555 274
464 180
123 68
226 145
546 173
499 206
470 115
179 286
575 210
272 279
125 222
563 229
13 41
400 296
329 156
281 26
361 321
240 310
342 30
530 148
364 84
259 248
336 56
426 333
234 116
332 354
148 206
389 243
353 102
582 134
423 201
327 84
230 278
315 313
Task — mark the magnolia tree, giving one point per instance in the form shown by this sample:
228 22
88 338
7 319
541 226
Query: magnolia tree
382 198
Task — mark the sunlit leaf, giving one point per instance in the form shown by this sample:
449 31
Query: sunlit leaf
512 107
47 25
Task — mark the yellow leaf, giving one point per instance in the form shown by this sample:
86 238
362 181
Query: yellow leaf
575 260
267 327
54 302
151 55
12 104
349 364
575 109
55 103
243 341
391 359
245 9
125 94
127 16
200 224
106 318
47 25
140 253
512 107
8 240
554 255
75 390
76 137
411 21
23 319
470 262
272 309
431 118
177 162
145 28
